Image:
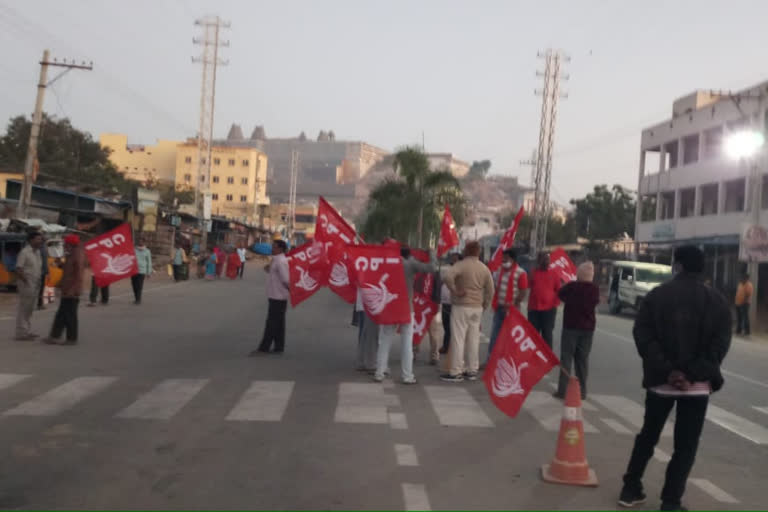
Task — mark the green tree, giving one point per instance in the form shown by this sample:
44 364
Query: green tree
67 157
479 169
605 214
409 206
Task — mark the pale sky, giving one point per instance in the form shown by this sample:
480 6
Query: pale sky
383 71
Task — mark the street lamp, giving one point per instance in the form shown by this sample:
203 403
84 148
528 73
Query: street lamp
748 145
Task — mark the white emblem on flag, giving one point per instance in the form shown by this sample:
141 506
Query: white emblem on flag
118 265
506 378
376 298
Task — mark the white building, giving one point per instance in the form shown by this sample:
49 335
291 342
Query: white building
690 191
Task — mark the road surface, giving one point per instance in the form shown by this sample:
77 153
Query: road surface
158 407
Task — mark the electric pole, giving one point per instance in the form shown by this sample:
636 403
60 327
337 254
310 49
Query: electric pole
550 94
31 161
209 58
292 194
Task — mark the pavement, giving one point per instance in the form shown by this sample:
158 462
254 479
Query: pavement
159 407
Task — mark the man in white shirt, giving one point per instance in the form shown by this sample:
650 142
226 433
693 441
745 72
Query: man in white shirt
241 253
278 292
29 273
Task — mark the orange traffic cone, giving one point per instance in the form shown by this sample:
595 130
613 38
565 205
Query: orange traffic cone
570 463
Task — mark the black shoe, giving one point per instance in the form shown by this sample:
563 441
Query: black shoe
137 302
278 352
470 375
559 396
452 378
631 496
667 506
443 350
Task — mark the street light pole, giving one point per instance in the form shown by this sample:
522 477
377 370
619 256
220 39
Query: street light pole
753 267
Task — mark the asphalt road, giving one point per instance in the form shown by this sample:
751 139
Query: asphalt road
158 407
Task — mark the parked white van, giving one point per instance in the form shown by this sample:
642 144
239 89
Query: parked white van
631 281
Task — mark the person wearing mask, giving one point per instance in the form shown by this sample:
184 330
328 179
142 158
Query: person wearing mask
179 260
387 333
743 299
580 297
241 252
71 287
278 292
511 289
45 271
28 276
682 333
543 302
144 261
471 286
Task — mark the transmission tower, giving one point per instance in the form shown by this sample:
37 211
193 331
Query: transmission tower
532 163
210 41
550 94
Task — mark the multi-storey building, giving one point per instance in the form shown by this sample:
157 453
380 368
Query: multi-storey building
691 192
238 180
139 162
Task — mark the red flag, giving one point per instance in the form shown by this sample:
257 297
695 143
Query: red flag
424 311
112 256
420 255
335 233
519 360
449 238
506 242
308 269
379 274
562 265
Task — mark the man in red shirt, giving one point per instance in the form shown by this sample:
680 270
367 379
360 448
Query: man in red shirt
542 306
511 287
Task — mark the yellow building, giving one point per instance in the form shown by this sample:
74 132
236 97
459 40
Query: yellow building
4 177
141 163
238 180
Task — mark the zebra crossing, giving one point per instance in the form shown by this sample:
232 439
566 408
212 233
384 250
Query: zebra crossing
357 403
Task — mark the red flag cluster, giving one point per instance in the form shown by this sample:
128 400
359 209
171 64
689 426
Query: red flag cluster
561 264
449 237
112 256
507 241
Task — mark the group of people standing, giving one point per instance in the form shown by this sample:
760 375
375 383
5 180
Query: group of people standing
211 264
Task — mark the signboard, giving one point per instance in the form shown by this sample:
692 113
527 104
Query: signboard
665 231
753 245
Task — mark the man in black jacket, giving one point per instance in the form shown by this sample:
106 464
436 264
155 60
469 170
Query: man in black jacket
682 333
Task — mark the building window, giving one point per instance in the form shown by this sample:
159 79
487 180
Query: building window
244 181
709 199
202 160
216 161
713 140
687 202
670 155
735 193
691 149
243 199
668 205
231 162
231 180
214 197
229 197
215 179
246 163
187 178
202 178
648 208
188 160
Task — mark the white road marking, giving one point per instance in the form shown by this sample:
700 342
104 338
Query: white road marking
764 410
164 400
584 404
11 379
617 336
415 497
616 426
714 491
406 455
398 421
61 398
361 403
738 425
265 400
548 411
630 411
455 407
744 378
661 456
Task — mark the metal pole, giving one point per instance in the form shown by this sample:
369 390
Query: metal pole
37 117
753 267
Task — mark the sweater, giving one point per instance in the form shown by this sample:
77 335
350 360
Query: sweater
473 278
580 299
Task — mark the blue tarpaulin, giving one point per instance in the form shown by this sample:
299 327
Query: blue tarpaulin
262 249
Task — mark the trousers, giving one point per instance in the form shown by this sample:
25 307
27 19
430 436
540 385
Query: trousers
465 339
742 319
137 283
95 290
387 334
66 319
274 329
544 322
28 295
575 345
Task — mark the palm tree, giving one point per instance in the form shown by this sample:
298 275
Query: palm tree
409 205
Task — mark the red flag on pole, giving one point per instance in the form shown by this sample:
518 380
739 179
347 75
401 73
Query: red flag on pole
380 276
424 311
562 265
449 238
112 256
308 270
335 233
519 360
507 241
